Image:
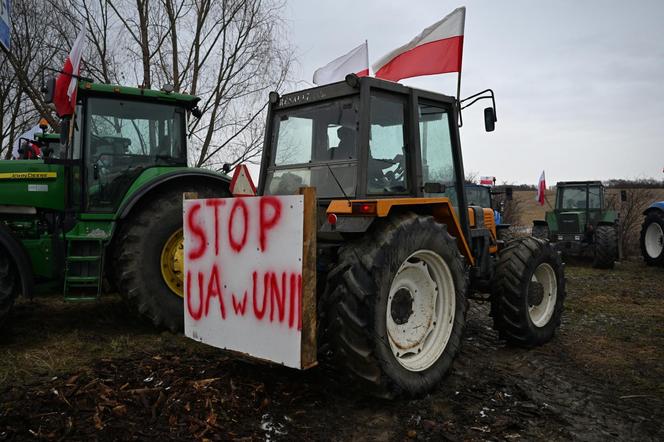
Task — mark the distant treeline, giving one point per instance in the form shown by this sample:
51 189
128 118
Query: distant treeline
643 183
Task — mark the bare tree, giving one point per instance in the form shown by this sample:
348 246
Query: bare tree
22 70
230 53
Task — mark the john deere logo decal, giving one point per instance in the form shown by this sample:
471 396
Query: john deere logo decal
28 175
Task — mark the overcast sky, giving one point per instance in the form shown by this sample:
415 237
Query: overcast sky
579 84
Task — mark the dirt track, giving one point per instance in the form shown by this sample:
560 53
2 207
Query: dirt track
601 378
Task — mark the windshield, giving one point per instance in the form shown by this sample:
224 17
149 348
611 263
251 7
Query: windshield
478 196
574 197
122 138
315 146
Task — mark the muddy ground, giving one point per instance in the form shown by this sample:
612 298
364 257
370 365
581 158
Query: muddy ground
89 371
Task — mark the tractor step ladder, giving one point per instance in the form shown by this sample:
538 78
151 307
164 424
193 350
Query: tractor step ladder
84 266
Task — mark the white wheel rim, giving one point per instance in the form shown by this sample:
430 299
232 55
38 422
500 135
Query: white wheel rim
420 310
541 313
654 240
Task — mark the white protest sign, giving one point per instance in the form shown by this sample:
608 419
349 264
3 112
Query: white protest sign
243 275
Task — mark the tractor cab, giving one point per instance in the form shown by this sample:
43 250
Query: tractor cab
372 147
483 196
579 205
119 133
478 195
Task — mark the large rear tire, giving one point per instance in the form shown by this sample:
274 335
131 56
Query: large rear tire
606 247
8 286
652 238
397 305
528 292
148 256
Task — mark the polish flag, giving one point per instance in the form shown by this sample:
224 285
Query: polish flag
66 85
541 189
354 62
437 50
486 180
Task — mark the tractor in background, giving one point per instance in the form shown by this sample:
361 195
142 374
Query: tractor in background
580 224
103 210
652 235
400 249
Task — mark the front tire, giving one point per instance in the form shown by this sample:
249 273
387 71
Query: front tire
528 292
652 238
606 247
8 286
148 259
398 305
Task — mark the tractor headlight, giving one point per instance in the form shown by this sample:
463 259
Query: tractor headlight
577 237
560 237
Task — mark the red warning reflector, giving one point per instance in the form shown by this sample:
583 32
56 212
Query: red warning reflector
332 218
241 184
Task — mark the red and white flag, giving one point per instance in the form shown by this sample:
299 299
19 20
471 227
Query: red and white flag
487 180
354 62
541 189
437 50
66 84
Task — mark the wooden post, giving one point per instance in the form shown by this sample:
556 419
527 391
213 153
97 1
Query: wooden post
309 345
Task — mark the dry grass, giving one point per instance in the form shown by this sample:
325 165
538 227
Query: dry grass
49 336
614 324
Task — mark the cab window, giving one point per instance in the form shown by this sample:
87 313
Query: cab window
436 149
386 172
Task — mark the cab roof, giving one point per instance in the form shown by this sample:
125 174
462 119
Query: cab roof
578 183
352 85
90 88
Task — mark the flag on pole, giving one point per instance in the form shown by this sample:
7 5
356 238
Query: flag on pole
354 62
541 189
66 84
437 50
487 180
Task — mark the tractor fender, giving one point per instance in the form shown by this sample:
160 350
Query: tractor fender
658 206
539 222
169 179
21 259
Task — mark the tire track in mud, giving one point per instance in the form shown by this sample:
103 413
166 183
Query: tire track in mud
549 383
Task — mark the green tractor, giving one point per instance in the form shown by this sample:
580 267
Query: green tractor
103 210
580 224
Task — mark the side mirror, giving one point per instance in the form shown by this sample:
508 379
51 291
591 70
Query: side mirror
196 112
508 193
434 188
489 119
49 90
623 195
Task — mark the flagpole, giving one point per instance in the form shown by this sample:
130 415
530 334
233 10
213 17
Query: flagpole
366 44
463 27
458 97
71 131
